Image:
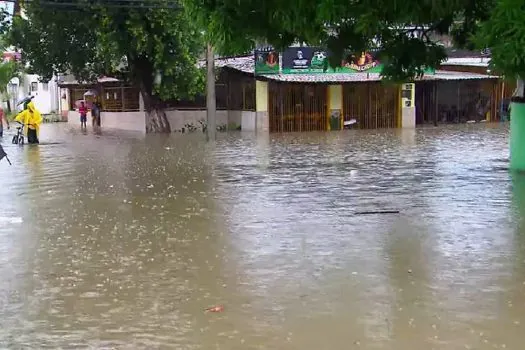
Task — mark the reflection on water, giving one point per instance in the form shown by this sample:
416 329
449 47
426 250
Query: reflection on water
121 241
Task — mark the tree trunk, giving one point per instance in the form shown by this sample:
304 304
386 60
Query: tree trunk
519 93
156 119
211 112
8 105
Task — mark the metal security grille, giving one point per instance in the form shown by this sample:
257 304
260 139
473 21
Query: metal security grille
449 102
120 99
297 107
372 104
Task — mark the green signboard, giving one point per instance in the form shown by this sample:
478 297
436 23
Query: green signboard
307 60
266 61
312 60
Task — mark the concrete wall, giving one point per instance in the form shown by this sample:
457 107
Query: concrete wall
248 121
136 121
132 121
408 117
235 117
73 118
179 118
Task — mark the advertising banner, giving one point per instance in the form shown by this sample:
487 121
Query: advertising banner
366 62
311 60
266 61
304 60
315 60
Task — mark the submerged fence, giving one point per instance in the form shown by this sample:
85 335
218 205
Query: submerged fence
113 99
372 104
446 102
297 107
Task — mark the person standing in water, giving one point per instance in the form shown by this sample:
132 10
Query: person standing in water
31 119
95 114
82 110
2 119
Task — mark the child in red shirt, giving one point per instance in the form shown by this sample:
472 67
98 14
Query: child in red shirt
82 110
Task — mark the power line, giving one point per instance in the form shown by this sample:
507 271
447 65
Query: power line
130 4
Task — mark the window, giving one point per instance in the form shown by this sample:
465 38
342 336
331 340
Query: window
45 86
34 86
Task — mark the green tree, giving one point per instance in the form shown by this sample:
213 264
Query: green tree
400 29
156 49
8 71
504 33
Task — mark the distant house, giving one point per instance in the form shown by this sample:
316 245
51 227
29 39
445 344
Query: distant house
45 94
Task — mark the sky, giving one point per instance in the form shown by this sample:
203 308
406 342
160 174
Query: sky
8 5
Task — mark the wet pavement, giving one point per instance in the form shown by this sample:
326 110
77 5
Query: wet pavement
120 241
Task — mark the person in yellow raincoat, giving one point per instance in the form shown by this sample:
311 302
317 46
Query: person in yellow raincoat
31 118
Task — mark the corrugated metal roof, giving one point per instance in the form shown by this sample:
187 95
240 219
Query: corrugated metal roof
246 64
451 75
468 61
324 77
362 77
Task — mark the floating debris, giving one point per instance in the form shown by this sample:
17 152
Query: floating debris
377 212
218 308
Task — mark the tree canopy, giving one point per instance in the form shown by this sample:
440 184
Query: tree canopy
504 33
156 49
342 25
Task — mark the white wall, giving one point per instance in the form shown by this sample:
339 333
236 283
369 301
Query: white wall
178 119
132 121
248 121
46 96
46 99
136 121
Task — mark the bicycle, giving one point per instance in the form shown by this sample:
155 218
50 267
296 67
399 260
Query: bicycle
18 138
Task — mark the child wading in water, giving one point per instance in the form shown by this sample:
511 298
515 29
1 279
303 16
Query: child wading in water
82 110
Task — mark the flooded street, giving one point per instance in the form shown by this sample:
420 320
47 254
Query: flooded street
121 241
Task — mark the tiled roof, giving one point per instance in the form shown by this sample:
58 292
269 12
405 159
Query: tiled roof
324 77
361 77
246 64
69 80
242 63
450 75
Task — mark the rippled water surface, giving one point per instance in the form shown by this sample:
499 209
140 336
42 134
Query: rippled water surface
120 241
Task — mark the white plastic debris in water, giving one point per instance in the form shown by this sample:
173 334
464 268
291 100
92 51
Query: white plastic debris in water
10 220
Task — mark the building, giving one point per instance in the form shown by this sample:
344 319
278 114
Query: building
301 94
45 94
296 91
122 107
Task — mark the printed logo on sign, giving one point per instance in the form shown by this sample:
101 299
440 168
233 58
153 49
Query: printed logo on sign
300 62
364 62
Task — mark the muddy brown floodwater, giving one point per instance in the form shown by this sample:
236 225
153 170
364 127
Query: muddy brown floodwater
119 241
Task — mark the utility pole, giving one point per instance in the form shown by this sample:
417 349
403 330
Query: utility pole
211 110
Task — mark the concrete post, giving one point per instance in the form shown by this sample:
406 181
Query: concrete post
335 107
517 136
211 110
408 106
262 122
